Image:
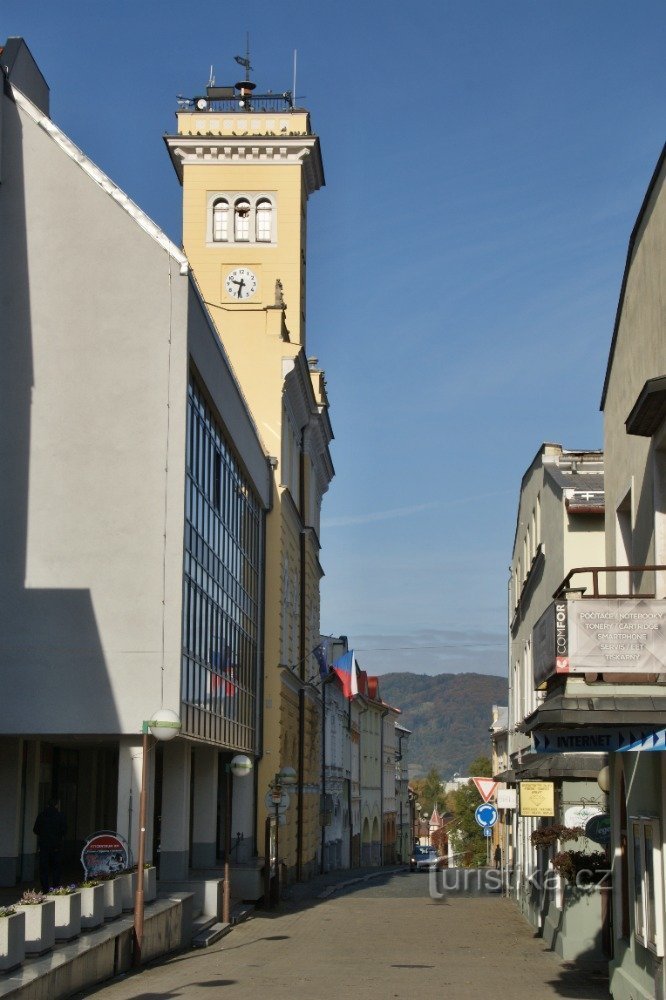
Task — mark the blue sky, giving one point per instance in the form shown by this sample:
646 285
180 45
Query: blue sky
485 163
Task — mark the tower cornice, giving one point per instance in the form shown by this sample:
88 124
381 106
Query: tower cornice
278 150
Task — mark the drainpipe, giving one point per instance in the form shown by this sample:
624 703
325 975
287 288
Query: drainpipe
360 781
324 682
384 713
302 663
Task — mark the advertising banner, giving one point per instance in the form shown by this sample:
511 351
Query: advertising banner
104 853
537 798
616 636
548 641
600 635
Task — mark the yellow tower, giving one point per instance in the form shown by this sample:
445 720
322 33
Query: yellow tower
248 164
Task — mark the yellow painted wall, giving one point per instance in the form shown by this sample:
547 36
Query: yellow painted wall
252 332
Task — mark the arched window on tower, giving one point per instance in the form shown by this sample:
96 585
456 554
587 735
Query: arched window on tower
221 220
264 221
242 220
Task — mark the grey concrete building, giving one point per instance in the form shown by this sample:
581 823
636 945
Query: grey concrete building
132 514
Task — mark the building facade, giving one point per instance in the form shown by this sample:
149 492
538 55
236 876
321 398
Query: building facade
603 666
248 164
133 528
635 442
560 524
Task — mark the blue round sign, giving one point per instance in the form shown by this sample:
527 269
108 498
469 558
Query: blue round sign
486 814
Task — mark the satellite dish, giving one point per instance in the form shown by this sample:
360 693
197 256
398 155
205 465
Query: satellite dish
201 104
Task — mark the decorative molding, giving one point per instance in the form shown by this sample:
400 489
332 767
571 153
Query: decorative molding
284 150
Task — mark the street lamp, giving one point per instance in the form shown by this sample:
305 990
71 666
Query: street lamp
238 767
284 777
164 726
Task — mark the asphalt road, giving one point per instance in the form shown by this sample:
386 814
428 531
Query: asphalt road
377 940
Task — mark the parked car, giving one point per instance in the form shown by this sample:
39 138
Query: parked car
422 859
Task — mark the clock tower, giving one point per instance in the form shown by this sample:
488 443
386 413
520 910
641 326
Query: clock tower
248 163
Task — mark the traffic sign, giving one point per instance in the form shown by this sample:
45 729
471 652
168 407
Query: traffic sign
487 832
283 804
485 787
486 814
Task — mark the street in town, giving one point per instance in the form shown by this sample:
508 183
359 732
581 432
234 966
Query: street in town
372 938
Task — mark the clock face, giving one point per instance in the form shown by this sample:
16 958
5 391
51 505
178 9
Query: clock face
241 283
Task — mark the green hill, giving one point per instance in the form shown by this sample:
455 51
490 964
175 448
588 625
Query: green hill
449 716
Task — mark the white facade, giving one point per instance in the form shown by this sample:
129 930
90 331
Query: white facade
104 334
559 526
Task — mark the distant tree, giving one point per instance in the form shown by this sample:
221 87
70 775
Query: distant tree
433 793
480 768
416 785
467 837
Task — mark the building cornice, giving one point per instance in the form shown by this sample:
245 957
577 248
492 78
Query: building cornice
280 150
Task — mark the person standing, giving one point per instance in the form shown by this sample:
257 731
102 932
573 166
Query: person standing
50 828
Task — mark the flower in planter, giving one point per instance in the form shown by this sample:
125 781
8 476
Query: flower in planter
547 836
62 890
31 898
90 883
579 868
7 911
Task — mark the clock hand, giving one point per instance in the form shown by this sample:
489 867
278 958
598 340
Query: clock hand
241 285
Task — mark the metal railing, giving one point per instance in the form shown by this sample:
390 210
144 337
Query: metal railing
239 104
630 571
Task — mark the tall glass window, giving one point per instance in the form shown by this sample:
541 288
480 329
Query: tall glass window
264 221
221 587
242 220
221 221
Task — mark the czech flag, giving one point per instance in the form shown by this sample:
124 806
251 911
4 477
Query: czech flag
347 670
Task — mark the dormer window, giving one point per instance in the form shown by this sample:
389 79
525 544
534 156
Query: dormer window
242 221
221 221
241 218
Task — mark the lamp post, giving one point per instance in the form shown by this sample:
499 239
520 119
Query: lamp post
238 767
164 726
284 777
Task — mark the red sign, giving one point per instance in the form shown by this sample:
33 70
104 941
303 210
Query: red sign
104 853
485 787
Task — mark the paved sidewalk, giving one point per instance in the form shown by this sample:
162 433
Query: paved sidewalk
382 937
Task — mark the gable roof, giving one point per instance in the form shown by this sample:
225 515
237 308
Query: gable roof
101 179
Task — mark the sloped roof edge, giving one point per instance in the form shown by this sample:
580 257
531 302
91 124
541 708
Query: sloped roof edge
101 179
627 267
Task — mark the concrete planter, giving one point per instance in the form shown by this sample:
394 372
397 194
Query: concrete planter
39 926
92 906
113 898
149 884
127 883
12 941
67 916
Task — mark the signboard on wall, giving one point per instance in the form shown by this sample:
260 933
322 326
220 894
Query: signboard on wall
600 635
506 798
537 798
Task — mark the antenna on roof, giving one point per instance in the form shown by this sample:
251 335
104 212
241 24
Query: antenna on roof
211 78
245 62
293 90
